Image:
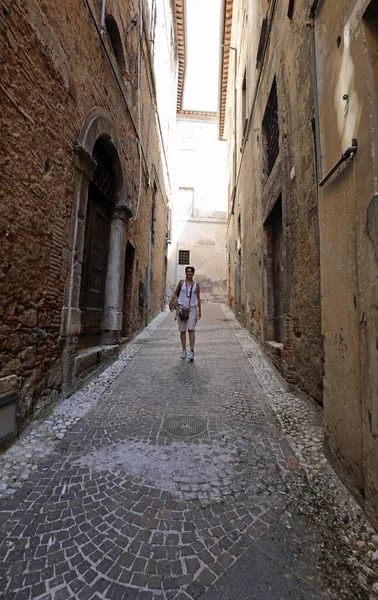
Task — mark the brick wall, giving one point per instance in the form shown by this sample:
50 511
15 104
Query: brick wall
54 71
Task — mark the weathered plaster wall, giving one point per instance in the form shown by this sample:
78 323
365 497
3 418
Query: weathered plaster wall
347 56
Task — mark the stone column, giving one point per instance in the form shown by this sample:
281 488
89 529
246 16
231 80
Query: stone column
112 316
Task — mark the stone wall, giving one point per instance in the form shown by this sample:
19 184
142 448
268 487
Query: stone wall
287 187
56 70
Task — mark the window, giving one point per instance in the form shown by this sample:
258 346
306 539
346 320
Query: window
244 98
115 40
270 130
104 175
371 13
184 257
153 216
185 203
290 9
274 274
152 21
244 107
262 42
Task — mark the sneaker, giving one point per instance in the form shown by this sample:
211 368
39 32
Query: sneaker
183 353
191 355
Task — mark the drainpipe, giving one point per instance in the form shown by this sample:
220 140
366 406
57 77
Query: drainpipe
139 142
102 26
318 153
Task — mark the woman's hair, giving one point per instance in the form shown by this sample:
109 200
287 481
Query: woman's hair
192 268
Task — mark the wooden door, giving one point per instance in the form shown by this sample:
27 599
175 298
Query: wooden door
95 261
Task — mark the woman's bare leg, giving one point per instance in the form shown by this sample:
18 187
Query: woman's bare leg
192 338
183 339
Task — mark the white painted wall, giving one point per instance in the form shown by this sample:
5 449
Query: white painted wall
199 206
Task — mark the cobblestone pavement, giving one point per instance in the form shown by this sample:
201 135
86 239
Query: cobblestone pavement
176 480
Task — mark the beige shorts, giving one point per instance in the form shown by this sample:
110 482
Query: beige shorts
190 324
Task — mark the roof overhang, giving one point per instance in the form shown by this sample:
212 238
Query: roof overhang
179 25
197 115
225 42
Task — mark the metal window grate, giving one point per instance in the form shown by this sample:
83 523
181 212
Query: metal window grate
184 257
271 129
104 175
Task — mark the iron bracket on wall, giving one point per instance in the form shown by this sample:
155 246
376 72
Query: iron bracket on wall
348 154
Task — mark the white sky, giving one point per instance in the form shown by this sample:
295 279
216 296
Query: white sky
202 55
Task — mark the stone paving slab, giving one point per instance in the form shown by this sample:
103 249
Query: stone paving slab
126 508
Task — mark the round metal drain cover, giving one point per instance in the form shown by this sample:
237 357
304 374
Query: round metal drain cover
184 426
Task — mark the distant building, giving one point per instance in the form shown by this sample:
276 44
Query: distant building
198 230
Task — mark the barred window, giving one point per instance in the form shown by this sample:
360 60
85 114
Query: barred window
184 257
271 130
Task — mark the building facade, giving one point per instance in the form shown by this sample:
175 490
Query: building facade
298 95
266 113
85 188
198 232
346 50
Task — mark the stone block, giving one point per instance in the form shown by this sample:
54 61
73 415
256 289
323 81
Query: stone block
27 357
8 384
55 375
29 317
12 367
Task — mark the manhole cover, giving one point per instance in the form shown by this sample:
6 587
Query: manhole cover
184 426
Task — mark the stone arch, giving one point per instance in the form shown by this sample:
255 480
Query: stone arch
99 125
98 130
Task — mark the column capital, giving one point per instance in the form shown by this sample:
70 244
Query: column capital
84 161
121 212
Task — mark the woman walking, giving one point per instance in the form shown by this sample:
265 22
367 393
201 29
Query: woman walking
188 295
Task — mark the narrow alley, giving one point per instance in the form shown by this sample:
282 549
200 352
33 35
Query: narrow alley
220 156
174 480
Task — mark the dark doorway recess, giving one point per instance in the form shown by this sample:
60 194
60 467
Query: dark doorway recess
275 274
128 289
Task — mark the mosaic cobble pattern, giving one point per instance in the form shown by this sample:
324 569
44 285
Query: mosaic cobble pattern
124 509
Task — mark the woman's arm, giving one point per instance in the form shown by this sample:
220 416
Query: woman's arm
198 291
175 295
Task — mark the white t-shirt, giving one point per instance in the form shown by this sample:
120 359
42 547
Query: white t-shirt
185 293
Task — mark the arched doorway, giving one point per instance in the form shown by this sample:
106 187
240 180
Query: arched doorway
101 201
93 304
